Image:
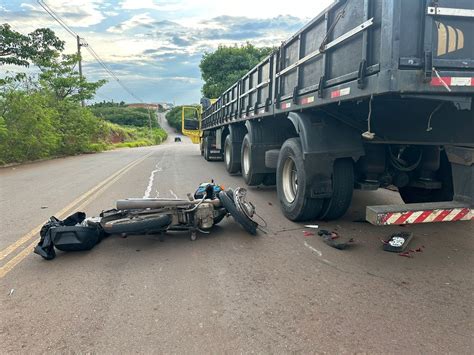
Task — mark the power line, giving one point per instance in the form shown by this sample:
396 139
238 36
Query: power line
88 47
57 18
110 72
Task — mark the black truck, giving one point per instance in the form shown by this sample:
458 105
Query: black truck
370 93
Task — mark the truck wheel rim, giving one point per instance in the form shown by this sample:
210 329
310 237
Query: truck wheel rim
227 154
290 180
246 160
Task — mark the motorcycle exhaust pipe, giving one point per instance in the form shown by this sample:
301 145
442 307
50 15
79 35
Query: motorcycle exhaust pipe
153 203
156 203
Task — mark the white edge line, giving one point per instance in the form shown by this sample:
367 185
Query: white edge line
313 249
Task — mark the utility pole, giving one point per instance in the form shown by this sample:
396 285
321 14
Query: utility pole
80 61
149 121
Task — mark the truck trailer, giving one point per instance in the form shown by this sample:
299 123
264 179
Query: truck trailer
369 94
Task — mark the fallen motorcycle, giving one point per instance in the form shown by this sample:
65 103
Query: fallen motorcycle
199 213
155 216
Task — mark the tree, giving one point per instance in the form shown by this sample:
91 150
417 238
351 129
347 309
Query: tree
38 46
123 115
60 76
224 67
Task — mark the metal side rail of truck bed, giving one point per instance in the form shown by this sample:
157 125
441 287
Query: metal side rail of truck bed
408 50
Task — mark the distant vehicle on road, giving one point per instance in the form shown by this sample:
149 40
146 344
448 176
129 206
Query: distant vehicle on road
177 139
362 97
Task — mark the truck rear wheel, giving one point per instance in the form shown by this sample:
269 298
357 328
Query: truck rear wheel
343 186
205 149
231 164
293 187
251 178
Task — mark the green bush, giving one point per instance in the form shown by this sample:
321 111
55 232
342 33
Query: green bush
37 125
29 127
79 128
128 116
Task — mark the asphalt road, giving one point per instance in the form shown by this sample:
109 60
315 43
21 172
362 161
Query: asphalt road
227 292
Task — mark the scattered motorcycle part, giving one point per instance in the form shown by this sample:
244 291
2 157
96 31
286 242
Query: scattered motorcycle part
397 242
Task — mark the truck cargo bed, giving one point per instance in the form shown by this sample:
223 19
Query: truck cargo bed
392 50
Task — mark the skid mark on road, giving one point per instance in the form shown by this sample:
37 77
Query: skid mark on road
174 195
159 167
150 181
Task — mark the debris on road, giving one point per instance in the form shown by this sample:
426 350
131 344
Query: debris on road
410 252
312 226
334 240
68 235
308 234
11 292
397 242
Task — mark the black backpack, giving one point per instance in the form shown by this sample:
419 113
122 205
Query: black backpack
67 235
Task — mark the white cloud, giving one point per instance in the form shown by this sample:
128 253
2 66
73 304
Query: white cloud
154 5
135 21
111 13
77 13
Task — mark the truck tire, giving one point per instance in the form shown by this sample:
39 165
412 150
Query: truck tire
251 178
293 187
231 165
205 149
410 194
343 186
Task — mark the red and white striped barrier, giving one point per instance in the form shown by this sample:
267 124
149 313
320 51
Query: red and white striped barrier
418 213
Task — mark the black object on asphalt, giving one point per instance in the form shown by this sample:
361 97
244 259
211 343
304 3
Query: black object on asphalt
67 235
397 242
335 240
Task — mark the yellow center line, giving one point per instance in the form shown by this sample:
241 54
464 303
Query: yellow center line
8 250
5 269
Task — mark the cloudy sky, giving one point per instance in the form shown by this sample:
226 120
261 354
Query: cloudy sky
154 47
